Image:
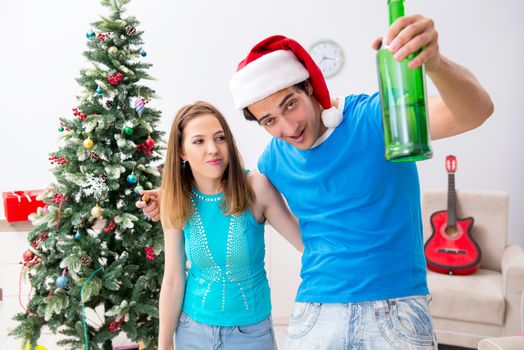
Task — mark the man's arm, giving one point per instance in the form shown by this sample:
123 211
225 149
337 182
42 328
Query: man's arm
275 210
152 208
463 103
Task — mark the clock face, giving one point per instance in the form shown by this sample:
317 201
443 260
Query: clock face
329 57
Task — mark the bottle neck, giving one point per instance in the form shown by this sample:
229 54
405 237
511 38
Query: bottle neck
396 10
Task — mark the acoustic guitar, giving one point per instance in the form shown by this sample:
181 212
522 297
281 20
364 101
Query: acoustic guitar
451 248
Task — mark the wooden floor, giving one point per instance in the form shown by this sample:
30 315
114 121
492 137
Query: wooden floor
449 347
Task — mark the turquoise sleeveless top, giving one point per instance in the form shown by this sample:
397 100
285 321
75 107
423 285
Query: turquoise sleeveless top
226 283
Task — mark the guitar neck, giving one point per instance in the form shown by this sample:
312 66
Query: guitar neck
452 208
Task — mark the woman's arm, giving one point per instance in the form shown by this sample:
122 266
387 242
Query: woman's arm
275 210
173 286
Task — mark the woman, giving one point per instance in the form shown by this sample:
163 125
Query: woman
213 215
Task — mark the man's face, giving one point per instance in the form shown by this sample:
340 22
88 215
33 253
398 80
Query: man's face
292 115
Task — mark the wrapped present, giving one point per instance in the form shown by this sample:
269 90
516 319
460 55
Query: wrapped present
19 205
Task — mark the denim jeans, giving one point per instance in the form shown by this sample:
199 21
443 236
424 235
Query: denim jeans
193 335
396 324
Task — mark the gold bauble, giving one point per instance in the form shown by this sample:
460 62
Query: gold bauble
120 23
96 212
28 347
88 143
142 346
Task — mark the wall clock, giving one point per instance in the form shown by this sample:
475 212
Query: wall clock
328 55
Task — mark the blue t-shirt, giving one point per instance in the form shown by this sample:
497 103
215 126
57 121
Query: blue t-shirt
226 284
359 214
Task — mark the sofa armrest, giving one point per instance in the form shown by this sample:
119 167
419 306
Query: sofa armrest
513 286
502 343
522 314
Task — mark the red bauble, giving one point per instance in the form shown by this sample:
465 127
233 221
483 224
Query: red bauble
28 255
150 142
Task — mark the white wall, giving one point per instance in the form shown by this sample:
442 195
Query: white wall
195 46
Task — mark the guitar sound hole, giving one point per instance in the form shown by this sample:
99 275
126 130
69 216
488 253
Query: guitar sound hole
452 231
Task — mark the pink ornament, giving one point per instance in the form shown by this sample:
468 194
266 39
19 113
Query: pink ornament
139 106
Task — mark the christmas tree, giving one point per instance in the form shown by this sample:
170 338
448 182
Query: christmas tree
94 262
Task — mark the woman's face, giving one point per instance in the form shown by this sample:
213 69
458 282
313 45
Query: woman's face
204 147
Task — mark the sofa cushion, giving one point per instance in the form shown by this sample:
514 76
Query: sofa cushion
475 298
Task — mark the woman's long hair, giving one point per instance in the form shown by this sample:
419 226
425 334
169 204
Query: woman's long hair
178 180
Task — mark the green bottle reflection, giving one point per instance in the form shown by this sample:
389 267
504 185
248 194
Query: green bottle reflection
403 99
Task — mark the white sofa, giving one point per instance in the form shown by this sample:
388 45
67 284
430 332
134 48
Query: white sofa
488 303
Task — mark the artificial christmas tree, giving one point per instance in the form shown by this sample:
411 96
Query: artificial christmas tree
94 262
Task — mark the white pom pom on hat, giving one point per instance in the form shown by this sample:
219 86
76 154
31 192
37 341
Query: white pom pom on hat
331 117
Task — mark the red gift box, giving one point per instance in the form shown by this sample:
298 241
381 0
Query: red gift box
18 205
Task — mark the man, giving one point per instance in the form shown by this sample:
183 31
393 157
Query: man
363 269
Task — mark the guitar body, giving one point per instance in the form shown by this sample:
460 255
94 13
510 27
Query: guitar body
452 250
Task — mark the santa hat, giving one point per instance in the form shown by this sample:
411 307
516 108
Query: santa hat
277 63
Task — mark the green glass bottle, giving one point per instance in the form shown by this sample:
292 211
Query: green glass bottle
403 99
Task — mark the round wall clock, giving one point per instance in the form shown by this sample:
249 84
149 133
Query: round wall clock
328 55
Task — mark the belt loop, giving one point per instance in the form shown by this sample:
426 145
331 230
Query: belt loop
380 306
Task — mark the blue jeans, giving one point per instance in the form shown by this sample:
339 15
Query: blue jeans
193 335
396 324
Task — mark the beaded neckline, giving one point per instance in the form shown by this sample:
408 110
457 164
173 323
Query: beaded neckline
207 197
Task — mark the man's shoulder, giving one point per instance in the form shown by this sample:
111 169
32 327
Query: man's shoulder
268 154
362 110
354 102
258 182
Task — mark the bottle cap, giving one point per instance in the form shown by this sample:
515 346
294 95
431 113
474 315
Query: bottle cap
146 198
